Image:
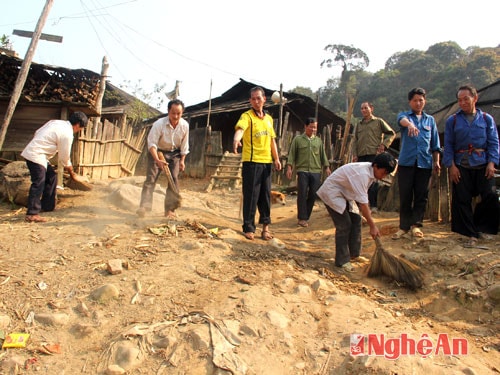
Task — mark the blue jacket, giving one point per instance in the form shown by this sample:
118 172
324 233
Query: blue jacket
418 150
478 139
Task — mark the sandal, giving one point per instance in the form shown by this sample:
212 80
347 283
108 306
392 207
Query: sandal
416 232
399 234
35 219
360 259
347 267
471 242
303 223
266 235
249 235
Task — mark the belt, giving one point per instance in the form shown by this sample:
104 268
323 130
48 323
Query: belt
470 150
170 152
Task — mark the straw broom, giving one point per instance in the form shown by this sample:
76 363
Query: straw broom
172 198
397 268
78 183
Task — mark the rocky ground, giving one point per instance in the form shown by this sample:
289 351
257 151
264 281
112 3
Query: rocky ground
101 291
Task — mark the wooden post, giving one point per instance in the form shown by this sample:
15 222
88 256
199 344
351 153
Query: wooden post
23 73
100 94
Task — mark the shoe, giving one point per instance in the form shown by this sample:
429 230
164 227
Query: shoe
347 267
303 223
35 219
360 259
399 234
141 212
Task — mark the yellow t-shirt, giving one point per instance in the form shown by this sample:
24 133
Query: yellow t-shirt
257 136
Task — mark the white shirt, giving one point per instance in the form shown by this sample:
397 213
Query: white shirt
349 183
163 136
54 137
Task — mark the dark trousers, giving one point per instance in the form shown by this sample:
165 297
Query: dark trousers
153 173
485 217
256 181
413 195
307 186
42 194
373 189
347 235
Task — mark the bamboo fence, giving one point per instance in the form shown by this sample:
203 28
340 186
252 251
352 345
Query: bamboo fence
109 149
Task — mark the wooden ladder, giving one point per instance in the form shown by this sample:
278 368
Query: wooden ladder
228 172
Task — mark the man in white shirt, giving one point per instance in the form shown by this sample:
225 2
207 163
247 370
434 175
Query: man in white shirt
55 136
345 193
170 136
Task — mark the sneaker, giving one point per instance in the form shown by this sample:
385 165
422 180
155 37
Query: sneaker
141 212
347 267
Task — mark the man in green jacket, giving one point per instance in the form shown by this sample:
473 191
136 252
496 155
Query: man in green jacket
307 154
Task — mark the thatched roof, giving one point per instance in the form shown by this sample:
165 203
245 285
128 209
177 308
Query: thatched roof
50 84
74 88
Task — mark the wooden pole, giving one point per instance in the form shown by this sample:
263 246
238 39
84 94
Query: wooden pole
23 73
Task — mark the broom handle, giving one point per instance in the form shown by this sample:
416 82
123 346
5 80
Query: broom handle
378 241
171 184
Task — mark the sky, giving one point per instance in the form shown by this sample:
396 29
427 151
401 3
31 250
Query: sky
209 45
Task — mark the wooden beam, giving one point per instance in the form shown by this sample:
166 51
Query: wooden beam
29 34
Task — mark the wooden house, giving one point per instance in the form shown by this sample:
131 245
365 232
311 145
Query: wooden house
212 124
113 141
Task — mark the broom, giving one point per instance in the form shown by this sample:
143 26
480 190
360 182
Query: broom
172 198
78 183
397 268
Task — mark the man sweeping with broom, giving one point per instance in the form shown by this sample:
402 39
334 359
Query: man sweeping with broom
54 137
345 193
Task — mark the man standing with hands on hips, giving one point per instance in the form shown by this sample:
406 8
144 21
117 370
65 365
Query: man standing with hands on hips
256 131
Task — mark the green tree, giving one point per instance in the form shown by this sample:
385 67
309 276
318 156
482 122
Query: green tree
5 42
349 59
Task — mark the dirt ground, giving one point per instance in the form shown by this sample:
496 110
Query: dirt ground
101 291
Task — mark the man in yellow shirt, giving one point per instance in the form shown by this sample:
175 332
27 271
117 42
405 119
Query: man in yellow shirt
256 131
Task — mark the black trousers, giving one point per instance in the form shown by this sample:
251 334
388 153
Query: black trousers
153 173
373 189
307 186
256 181
484 218
42 194
347 235
413 195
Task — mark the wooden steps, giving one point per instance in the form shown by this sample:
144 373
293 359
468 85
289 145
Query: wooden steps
228 172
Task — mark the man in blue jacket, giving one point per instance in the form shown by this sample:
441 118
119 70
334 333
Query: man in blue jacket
470 154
